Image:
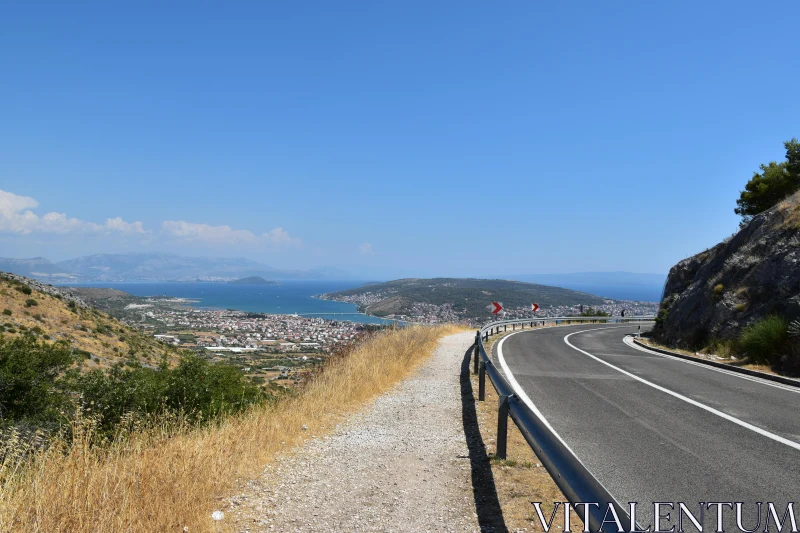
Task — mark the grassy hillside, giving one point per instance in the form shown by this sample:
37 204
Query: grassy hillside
468 297
170 477
55 314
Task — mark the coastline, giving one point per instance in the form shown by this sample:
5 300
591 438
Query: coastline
285 299
360 312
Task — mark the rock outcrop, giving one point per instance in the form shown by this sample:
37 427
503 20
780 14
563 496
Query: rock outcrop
754 273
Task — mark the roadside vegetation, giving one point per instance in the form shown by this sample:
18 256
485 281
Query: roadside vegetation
736 300
776 181
591 311
158 449
771 343
101 339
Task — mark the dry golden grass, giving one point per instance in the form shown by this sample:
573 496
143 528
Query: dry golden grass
519 479
172 477
78 327
790 209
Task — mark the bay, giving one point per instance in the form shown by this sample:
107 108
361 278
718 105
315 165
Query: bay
286 298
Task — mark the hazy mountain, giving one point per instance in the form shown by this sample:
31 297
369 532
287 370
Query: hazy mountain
142 266
156 267
160 266
37 267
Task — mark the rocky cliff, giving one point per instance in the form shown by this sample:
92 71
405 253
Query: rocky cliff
756 272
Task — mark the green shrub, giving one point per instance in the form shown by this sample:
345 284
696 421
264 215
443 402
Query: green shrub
662 315
763 339
30 302
197 388
720 347
29 372
82 353
718 290
24 289
740 308
776 181
102 329
591 311
7 312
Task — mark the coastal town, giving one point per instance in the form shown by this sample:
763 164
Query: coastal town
239 331
274 351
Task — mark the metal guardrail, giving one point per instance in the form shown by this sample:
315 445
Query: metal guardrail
568 472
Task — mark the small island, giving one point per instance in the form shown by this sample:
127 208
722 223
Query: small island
253 280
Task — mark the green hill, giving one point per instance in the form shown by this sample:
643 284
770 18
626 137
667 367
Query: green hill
468 297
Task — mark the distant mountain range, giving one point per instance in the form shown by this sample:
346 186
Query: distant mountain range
37 267
155 267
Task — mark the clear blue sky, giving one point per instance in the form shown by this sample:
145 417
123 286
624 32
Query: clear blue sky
392 137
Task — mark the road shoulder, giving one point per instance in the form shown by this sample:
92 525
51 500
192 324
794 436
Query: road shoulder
400 464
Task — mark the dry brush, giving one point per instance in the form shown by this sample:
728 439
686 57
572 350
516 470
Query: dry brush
170 476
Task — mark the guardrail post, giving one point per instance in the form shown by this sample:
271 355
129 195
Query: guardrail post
505 328
482 382
502 426
477 351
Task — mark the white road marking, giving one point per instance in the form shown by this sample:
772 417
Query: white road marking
629 342
521 393
751 427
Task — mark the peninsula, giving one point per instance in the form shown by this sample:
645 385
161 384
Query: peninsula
252 280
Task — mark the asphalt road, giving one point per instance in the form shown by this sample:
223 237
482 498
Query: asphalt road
682 432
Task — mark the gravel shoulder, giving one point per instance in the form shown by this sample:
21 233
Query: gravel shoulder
400 464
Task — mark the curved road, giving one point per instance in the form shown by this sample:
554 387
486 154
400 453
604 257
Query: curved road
658 429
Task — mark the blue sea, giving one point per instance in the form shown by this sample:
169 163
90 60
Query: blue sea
288 297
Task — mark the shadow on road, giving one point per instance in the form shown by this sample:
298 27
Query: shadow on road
490 515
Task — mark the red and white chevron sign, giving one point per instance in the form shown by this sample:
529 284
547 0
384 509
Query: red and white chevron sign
534 307
497 307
